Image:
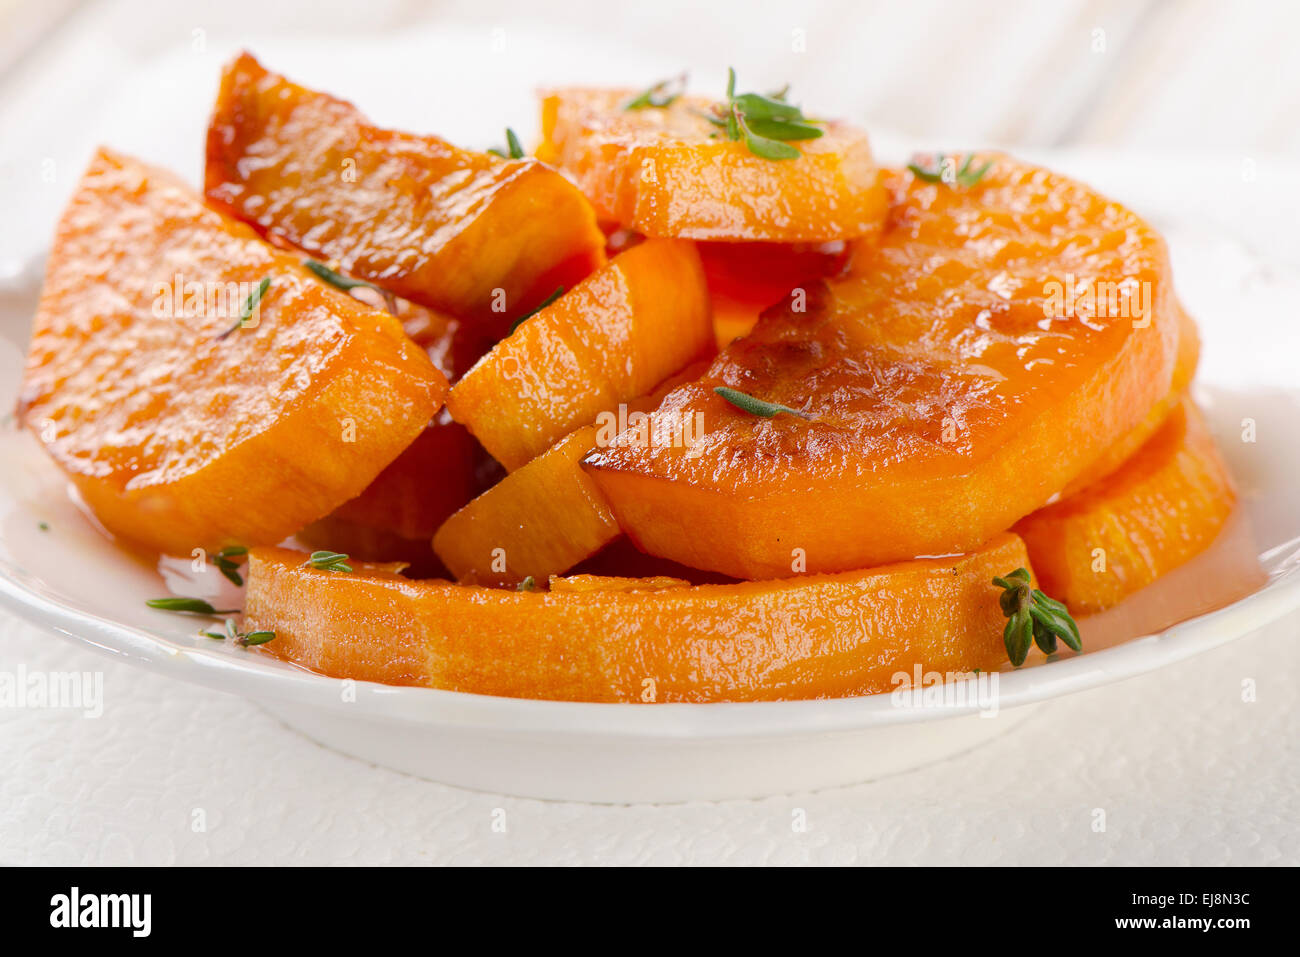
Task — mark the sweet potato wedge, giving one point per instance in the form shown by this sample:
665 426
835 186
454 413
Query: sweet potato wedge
467 232
395 515
538 521
1161 508
665 173
613 337
546 516
182 427
817 636
944 390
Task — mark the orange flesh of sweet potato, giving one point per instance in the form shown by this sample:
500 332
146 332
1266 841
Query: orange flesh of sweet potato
439 225
664 173
395 515
1185 362
612 337
810 637
948 392
546 516
180 431
1161 508
540 520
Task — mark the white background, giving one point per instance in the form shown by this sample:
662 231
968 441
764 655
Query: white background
1184 770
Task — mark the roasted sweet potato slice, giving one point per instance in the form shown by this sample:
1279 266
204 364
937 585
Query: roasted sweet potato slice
1161 508
960 378
1186 359
665 173
546 516
395 515
538 521
181 427
613 337
467 232
817 636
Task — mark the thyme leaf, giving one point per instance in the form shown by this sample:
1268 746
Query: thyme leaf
758 407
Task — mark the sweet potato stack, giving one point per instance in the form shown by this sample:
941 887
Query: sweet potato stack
709 461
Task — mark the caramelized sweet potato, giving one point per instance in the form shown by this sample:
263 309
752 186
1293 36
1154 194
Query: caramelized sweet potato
395 515
665 173
538 521
1187 357
746 278
181 427
439 225
602 640
612 337
1161 508
952 385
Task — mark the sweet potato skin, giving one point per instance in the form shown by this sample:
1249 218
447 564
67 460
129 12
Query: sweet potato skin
810 637
1158 510
664 173
467 232
178 432
946 397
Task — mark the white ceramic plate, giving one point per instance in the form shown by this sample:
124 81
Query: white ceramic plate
1237 267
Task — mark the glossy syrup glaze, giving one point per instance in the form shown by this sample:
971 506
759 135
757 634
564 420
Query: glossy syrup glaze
946 391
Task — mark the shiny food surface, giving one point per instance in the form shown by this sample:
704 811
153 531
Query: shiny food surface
665 173
180 428
658 641
963 373
450 228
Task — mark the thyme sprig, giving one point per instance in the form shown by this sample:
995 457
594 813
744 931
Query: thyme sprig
242 638
1033 617
747 403
225 563
945 170
767 124
190 606
328 561
660 95
347 283
250 304
513 150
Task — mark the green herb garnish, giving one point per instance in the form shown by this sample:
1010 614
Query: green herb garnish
528 584
1033 617
225 563
246 639
246 310
43 526
346 283
559 291
663 94
765 123
514 149
193 606
947 171
753 406
329 561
